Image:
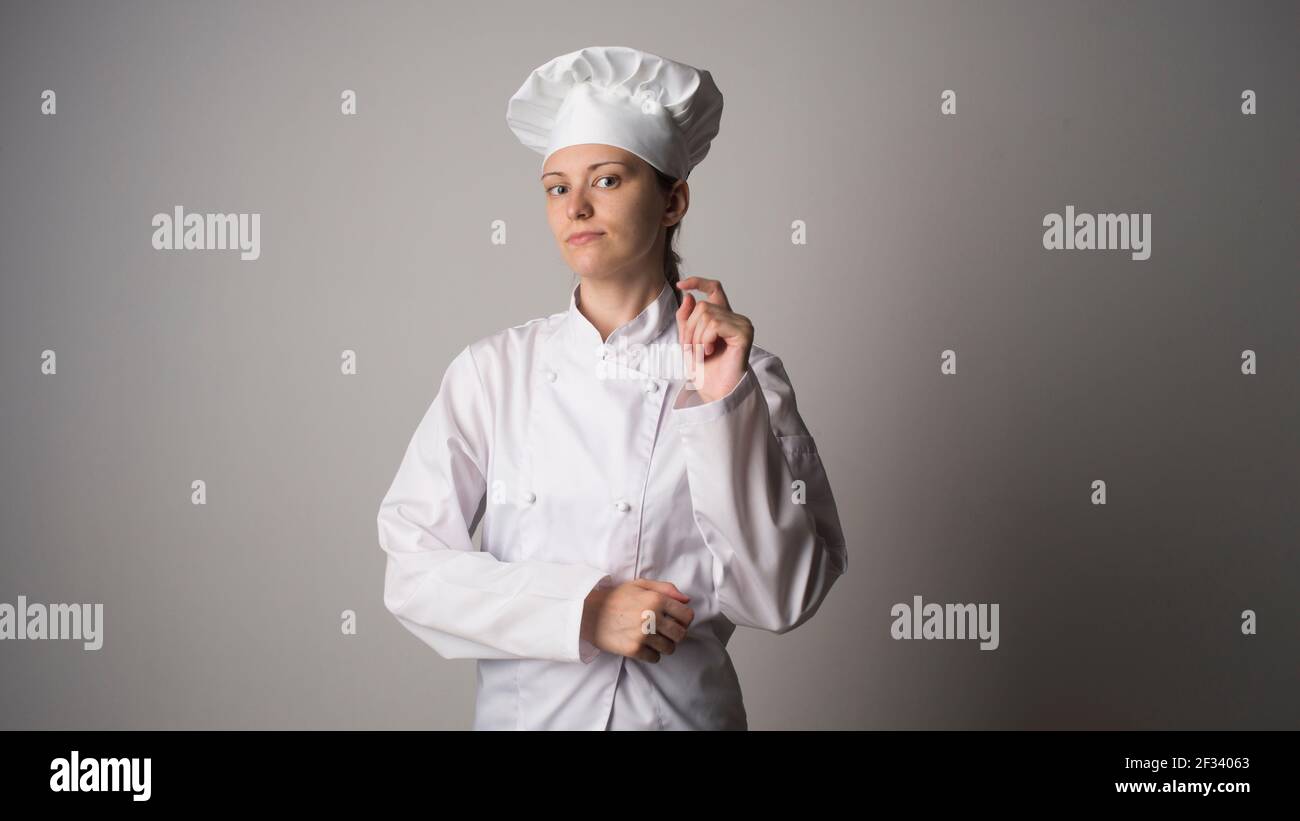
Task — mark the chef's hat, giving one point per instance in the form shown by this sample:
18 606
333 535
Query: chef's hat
663 111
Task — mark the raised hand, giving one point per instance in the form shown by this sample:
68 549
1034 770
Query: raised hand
715 339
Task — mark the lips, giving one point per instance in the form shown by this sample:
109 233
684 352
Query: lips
585 237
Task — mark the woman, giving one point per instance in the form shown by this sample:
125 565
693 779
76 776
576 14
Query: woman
633 514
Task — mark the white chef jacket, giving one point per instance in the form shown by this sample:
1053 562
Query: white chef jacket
580 479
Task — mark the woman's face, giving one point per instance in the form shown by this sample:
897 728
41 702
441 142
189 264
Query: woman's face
614 194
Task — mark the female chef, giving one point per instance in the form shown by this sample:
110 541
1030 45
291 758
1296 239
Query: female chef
632 514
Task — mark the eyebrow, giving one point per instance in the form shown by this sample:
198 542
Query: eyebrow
591 167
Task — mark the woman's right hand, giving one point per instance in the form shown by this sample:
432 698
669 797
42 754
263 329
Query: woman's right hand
612 618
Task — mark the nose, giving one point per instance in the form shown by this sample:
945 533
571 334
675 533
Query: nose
579 205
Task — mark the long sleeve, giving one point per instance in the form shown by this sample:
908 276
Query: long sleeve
463 602
778 545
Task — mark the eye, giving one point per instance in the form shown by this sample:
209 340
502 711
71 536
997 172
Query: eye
609 177
553 187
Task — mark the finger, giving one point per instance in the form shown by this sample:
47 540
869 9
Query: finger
683 314
671 627
662 623
711 287
678 611
661 644
708 319
701 312
728 329
667 588
710 336
647 654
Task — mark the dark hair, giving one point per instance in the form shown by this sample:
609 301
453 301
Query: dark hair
671 258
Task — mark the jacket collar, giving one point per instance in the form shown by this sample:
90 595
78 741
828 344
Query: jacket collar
644 329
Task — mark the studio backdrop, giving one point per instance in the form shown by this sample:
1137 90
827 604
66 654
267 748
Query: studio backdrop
1031 268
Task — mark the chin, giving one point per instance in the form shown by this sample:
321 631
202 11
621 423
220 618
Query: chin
589 265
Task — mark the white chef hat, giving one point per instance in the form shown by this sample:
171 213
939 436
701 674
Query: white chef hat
665 112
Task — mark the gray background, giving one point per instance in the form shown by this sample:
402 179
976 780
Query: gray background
924 234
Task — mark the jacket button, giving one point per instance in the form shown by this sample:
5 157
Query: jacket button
530 497
651 386
550 376
623 507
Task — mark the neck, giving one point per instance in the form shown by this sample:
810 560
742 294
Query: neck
611 303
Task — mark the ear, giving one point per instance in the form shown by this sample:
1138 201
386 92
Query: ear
679 202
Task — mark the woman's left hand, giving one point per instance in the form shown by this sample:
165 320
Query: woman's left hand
715 339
